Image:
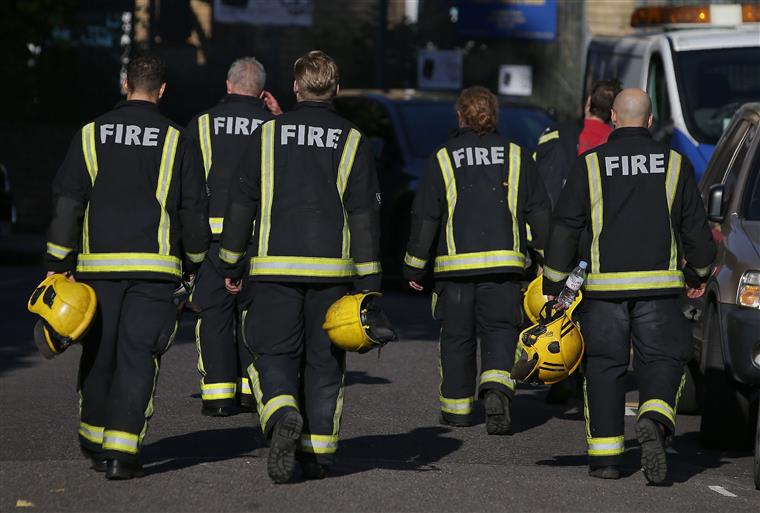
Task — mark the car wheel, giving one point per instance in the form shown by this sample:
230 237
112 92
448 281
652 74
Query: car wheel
688 403
725 408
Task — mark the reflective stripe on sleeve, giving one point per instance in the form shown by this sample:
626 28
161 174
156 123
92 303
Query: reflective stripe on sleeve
702 271
606 446
92 433
444 162
513 189
267 185
229 257
88 149
162 188
554 134
457 406
129 262
274 404
121 441
204 132
413 261
245 386
216 224
196 258
671 182
344 171
658 406
553 274
212 391
367 268
319 444
498 376
302 266
636 280
597 207
59 252
479 260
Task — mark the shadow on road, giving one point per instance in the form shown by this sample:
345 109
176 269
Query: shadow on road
416 451
362 378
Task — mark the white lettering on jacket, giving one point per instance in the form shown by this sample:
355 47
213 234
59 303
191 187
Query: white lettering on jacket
476 156
632 165
305 135
129 135
235 125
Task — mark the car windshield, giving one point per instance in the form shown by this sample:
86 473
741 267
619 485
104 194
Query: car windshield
428 125
752 196
714 84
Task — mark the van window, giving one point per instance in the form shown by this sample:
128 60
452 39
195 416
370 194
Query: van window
751 208
735 167
657 88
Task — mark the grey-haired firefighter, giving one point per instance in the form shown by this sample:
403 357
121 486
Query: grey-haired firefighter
309 182
130 218
479 191
631 209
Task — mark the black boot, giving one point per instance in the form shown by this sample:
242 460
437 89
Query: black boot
214 410
282 448
311 468
97 462
653 459
498 417
118 469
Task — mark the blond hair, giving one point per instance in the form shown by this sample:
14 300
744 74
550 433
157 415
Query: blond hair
479 109
316 75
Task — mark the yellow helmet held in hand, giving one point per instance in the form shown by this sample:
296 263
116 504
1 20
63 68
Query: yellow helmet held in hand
66 309
550 350
356 323
534 299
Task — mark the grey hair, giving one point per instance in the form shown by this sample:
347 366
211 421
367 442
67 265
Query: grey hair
248 75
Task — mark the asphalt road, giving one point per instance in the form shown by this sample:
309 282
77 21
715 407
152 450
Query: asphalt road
393 456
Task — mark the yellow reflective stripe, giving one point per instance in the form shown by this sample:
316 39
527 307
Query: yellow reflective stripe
211 391
216 224
267 185
586 413
319 444
479 260
129 262
597 207
606 446
635 280
444 162
253 375
149 408
196 258
274 404
671 182
548 136
120 441
204 132
162 188
366 268
658 406
92 433
702 271
230 257
59 252
457 406
413 261
302 266
86 230
88 149
498 376
245 385
553 274
513 192
344 171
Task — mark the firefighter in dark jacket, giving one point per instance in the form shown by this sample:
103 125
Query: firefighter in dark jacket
223 134
478 192
130 217
632 209
309 183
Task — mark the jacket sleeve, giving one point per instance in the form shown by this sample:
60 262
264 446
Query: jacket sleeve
696 239
362 203
537 204
568 222
425 222
548 157
71 191
193 206
242 207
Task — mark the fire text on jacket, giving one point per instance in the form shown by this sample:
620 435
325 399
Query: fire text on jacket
631 165
235 125
478 156
130 135
305 135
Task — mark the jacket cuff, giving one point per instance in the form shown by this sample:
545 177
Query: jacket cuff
551 288
413 274
371 283
695 277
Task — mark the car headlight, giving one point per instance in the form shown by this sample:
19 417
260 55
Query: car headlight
749 290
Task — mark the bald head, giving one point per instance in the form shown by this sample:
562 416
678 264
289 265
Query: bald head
632 108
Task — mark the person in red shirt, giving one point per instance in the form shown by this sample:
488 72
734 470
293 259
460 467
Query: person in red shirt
596 122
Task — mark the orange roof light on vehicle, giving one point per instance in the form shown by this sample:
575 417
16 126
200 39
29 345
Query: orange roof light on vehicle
751 13
717 14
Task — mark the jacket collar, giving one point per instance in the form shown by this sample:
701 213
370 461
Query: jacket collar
629 131
313 104
137 103
240 98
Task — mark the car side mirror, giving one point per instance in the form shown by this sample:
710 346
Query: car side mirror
716 203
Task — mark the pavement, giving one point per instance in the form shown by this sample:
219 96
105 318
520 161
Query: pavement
393 455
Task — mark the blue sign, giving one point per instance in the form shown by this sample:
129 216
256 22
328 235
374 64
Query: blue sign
507 19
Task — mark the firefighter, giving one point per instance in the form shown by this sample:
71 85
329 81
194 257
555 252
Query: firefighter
477 194
130 217
222 134
309 183
633 206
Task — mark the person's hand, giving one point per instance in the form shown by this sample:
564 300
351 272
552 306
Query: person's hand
270 102
233 287
694 293
416 286
67 274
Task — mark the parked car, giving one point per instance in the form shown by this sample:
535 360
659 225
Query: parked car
405 127
727 332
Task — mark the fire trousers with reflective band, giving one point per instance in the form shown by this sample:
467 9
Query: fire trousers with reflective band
135 323
662 345
486 309
295 366
223 359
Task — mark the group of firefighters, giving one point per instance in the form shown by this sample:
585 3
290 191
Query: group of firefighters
274 219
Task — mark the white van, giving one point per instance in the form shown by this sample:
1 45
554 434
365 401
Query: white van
697 77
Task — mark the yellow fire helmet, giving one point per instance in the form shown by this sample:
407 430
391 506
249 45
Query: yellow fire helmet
66 309
356 323
550 350
534 299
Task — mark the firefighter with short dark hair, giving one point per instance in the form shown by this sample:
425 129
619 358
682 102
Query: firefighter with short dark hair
223 134
631 208
475 198
130 217
309 183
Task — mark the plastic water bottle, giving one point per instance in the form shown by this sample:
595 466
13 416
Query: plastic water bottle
572 286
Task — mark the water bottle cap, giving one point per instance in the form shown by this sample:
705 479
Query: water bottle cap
583 265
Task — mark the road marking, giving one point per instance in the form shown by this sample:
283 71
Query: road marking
722 491
630 412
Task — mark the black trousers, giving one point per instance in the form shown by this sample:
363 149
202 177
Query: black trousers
295 366
223 359
662 345
118 370
485 309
